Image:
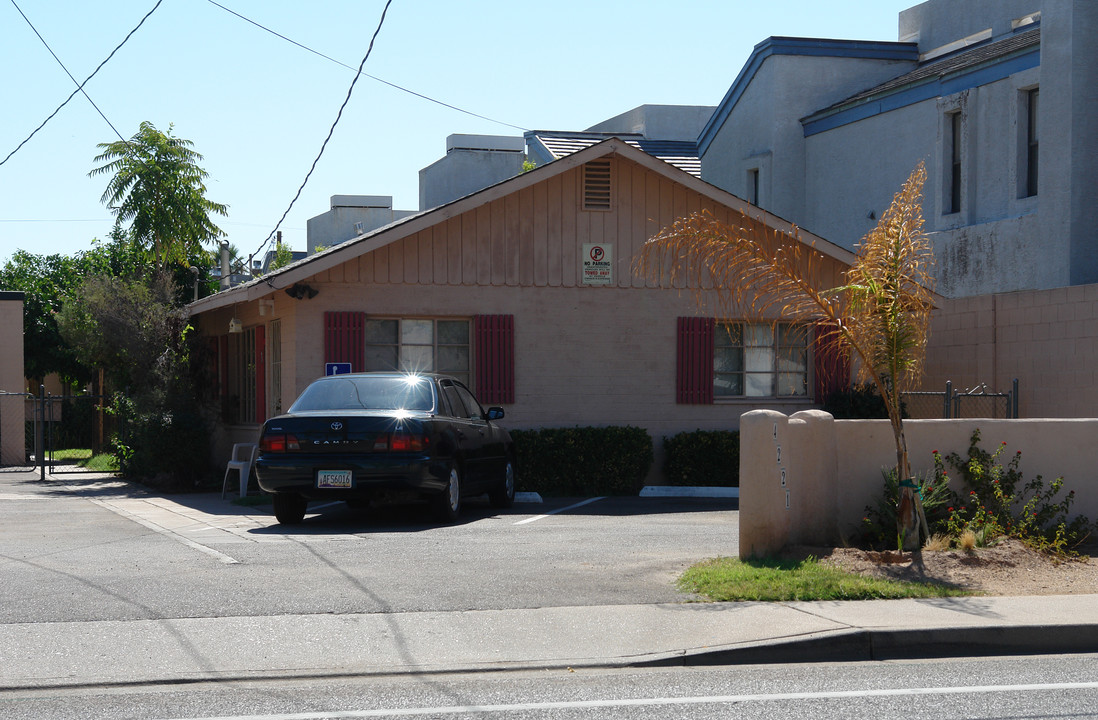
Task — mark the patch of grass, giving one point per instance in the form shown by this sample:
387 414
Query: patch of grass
775 579
103 462
72 454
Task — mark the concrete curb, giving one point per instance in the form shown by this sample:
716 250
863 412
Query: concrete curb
865 645
666 491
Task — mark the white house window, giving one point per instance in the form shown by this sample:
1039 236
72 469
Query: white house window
760 360
419 345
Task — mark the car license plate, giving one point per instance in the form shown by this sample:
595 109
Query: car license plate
333 479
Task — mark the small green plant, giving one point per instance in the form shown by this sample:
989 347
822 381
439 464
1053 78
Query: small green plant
878 527
997 500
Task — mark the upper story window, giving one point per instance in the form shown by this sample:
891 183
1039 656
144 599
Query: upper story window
954 131
1032 141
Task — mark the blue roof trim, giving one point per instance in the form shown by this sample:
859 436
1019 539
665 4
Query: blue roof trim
808 47
926 90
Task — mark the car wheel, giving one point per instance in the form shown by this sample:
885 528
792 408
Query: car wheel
289 508
448 502
503 495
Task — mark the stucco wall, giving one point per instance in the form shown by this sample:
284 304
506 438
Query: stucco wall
764 130
12 435
807 478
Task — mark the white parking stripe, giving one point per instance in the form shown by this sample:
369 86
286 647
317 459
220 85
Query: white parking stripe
560 510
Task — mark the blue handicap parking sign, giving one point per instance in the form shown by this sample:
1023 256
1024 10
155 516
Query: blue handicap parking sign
337 368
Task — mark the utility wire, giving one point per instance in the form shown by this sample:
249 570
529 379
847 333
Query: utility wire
372 77
323 145
80 86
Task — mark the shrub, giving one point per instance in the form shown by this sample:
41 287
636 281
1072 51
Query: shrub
582 461
857 402
996 500
703 457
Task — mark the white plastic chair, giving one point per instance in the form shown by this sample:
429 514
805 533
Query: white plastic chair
242 461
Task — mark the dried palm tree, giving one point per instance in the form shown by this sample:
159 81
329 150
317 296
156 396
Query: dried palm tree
879 315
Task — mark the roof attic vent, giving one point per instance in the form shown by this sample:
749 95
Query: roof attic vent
597 187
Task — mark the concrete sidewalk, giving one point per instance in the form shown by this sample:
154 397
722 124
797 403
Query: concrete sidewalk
218 649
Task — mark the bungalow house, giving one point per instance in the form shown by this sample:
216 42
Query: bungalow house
526 291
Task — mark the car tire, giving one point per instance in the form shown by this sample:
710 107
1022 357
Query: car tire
448 502
503 494
289 508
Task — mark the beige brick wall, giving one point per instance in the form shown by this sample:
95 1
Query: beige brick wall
1047 339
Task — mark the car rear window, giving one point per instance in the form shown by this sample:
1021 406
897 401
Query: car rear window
367 393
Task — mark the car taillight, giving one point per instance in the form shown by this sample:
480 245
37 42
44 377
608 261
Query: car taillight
400 442
278 443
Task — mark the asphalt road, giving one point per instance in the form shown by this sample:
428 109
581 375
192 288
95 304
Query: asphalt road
962 688
77 550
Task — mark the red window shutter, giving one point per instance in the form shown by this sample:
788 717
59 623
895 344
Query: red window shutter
494 345
260 373
694 366
830 364
345 338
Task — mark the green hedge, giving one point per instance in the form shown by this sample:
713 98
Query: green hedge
702 457
582 460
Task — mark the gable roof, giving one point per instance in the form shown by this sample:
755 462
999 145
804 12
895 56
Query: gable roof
549 145
977 65
284 277
806 47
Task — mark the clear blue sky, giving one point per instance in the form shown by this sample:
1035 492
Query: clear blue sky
258 108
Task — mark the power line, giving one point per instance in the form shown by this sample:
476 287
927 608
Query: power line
372 77
339 115
80 86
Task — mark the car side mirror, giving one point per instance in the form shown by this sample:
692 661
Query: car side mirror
495 413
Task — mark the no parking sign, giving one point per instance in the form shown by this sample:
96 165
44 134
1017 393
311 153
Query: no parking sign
598 264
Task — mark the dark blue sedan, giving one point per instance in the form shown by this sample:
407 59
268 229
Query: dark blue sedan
371 436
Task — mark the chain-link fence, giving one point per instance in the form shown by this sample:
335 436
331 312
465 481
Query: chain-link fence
975 402
53 432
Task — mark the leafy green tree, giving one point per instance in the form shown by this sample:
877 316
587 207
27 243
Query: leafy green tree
283 256
47 282
44 280
158 188
134 329
880 316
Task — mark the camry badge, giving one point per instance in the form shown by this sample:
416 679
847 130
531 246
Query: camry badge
337 426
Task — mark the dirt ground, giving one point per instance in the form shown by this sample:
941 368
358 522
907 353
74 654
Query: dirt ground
1006 568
